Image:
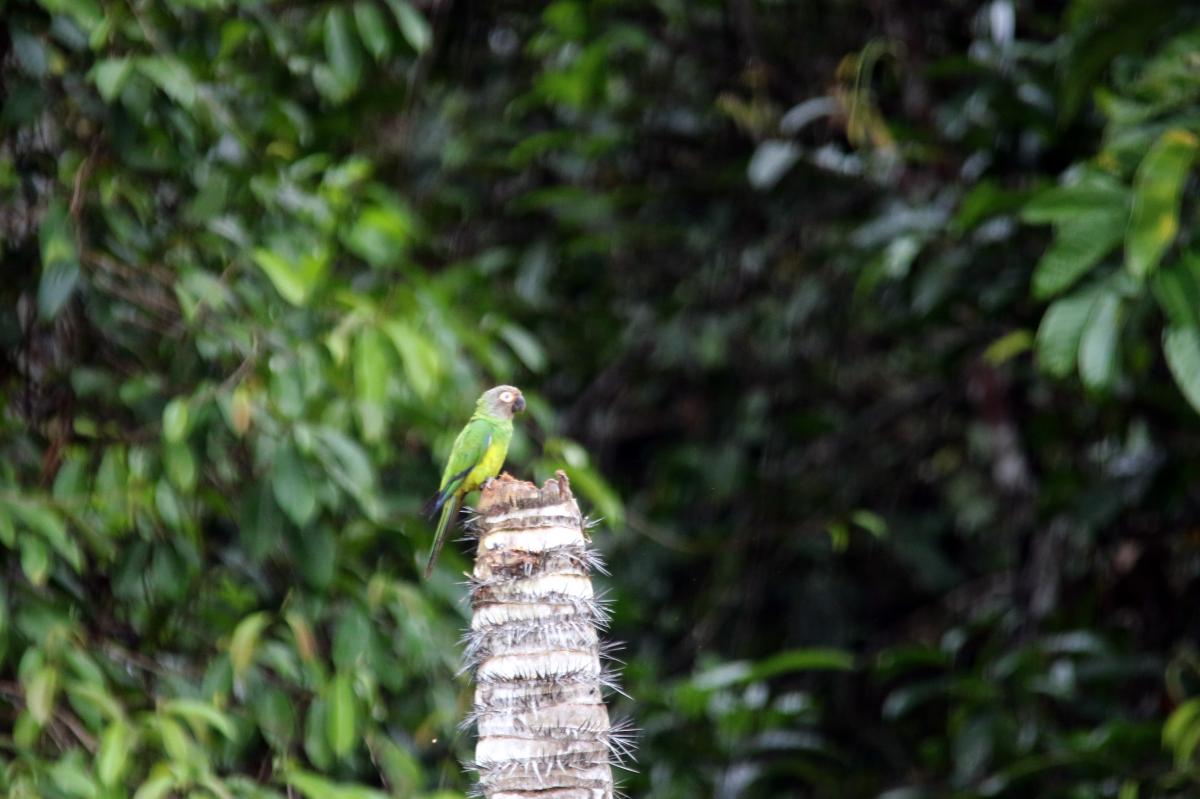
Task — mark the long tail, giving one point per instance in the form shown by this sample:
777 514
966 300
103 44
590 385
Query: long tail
445 525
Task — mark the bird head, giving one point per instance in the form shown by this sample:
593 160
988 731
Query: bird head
502 401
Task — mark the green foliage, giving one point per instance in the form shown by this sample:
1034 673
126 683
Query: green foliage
1123 195
212 543
796 294
1118 272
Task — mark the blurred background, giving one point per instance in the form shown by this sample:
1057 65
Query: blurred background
867 328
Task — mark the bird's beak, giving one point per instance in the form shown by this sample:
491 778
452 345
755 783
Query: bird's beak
519 404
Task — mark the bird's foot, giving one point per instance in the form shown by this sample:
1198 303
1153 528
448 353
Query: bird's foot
487 484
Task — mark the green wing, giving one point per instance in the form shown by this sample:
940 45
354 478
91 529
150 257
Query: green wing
467 451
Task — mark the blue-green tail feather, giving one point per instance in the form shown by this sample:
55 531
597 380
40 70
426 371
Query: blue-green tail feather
435 503
445 525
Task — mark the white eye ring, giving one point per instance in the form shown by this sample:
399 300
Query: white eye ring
506 396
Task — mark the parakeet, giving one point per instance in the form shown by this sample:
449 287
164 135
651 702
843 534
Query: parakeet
476 457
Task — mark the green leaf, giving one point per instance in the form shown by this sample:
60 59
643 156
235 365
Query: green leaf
1156 196
287 387
58 281
589 482
422 366
5 622
413 26
70 484
314 787
603 496
73 777
341 49
398 768
972 747
870 521
175 419
110 75
329 85
398 764
1095 193
371 368
8 532
381 233
44 520
1098 345
314 550
771 161
181 466
85 12
97 696
25 736
110 496
525 346
275 717
1177 288
342 722
351 639
176 743
909 697
294 278
172 76
346 462
293 485
112 758
84 666
316 742
1078 245
60 262
739 672
987 199
373 28
1181 345
306 645
35 559
157 786
244 642
166 502
568 18
31 53
40 693
199 714
1061 329
812 659
1181 731
1008 346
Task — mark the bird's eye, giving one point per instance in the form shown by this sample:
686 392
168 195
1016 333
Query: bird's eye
506 397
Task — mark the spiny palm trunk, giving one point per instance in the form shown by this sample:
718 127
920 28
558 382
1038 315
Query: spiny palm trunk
543 728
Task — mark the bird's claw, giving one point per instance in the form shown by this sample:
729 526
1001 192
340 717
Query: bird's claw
487 483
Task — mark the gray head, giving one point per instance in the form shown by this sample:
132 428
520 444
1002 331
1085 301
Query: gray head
501 401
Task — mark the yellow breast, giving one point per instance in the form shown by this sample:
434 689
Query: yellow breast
488 466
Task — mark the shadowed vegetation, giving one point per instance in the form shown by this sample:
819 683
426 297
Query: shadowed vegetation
870 330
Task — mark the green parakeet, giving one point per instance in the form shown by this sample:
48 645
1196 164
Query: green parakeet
476 457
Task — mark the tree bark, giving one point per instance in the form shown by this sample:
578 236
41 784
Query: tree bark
534 646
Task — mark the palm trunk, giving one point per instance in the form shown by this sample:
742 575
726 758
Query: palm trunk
533 645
